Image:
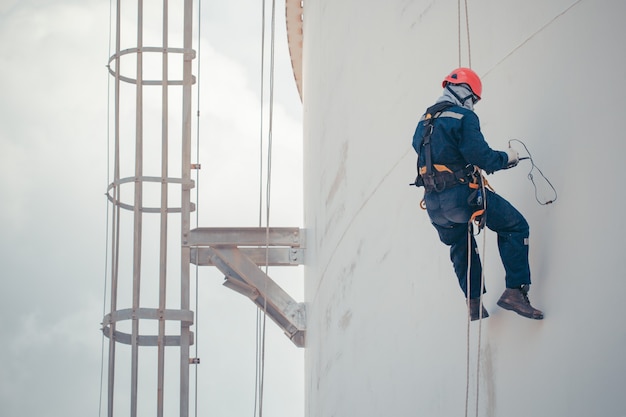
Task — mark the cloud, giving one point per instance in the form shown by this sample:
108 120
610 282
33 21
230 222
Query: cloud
53 176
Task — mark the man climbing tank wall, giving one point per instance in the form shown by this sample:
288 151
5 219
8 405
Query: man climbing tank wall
387 328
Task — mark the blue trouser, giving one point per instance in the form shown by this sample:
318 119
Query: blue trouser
450 212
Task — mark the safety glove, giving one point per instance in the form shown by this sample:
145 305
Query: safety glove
513 158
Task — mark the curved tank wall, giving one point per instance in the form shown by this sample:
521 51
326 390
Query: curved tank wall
387 328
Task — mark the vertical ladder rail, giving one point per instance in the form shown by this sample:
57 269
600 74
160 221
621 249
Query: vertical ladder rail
185 260
163 213
137 214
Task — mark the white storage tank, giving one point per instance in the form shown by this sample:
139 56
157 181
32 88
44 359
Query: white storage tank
387 333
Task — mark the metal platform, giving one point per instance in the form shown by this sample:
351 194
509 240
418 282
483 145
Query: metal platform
239 253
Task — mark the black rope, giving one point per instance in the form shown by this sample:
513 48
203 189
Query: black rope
531 177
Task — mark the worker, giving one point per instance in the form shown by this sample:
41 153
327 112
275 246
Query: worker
451 154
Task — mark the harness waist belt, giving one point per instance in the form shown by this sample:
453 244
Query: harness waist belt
443 177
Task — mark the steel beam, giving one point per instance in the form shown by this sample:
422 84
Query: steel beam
247 236
260 256
243 275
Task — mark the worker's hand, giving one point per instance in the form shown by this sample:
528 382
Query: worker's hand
513 157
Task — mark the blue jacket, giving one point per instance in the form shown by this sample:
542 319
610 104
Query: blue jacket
456 141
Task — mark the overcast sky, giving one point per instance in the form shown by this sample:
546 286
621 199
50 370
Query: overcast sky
53 212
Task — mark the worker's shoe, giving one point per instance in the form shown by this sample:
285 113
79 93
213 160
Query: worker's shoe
516 299
474 307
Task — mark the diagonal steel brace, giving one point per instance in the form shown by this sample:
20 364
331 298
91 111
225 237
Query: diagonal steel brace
244 275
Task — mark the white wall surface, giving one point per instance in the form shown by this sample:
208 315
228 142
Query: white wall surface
387 327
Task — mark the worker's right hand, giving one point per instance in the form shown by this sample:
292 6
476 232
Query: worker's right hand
513 157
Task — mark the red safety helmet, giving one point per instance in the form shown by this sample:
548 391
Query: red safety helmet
465 76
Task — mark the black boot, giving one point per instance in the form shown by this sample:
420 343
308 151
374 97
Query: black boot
474 306
516 299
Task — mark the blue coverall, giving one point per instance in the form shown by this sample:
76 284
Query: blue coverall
456 140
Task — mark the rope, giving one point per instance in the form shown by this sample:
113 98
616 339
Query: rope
261 322
483 211
458 25
469 238
106 238
197 304
480 322
469 318
260 337
469 49
268 195
530 175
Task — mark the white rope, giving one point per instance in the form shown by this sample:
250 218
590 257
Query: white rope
480 305
261 321
106 239
469 242
469 50
531 178
259 337
196 308
469 313
469 47
480 322
458 23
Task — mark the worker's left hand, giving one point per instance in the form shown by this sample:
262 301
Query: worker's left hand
513 157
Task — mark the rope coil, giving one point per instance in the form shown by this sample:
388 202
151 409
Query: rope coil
531 177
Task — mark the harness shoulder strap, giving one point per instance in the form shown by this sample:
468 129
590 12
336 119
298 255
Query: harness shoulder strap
432 113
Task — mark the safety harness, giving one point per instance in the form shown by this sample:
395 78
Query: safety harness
437 177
